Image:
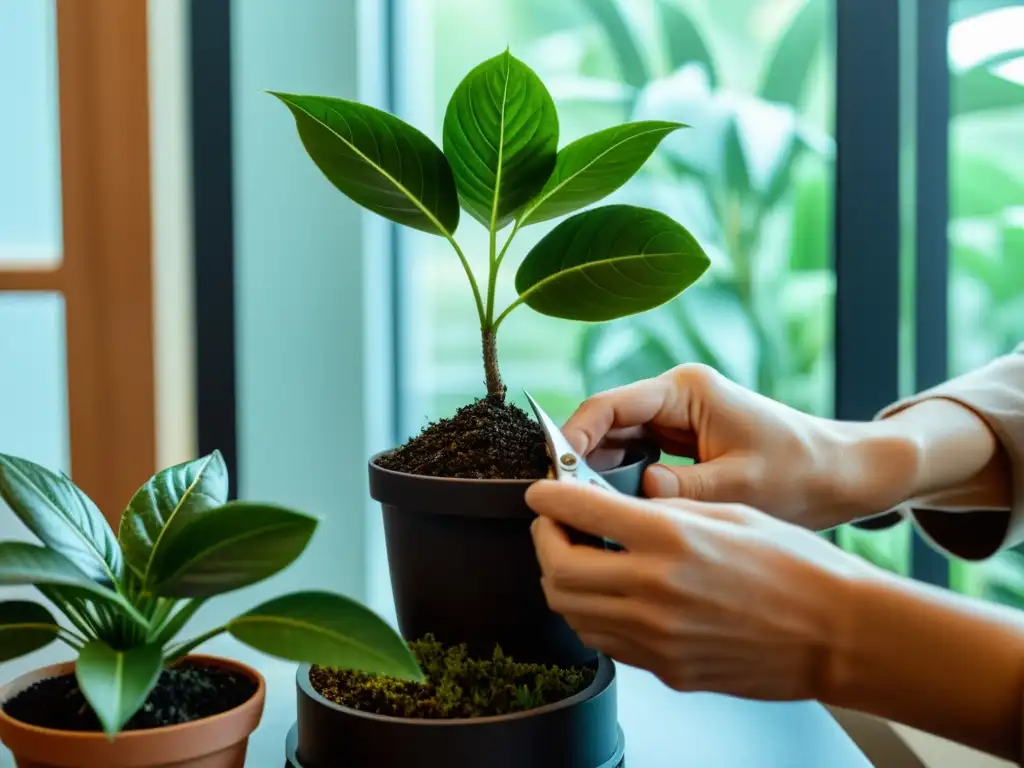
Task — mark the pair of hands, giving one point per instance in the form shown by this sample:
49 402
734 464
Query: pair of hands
712 594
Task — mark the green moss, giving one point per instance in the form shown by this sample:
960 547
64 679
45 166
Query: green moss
457 685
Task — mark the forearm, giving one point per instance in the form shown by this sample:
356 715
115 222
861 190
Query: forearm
946 664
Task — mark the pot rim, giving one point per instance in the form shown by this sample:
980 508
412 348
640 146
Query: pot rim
637 452
603 681
11 689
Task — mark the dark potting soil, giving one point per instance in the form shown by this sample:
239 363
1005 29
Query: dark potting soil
184 693
457 685
487 440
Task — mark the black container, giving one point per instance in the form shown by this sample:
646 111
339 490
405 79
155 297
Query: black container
463 565
579 732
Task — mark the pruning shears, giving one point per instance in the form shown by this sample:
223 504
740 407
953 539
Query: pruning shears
569 465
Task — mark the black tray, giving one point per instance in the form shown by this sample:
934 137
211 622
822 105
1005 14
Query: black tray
292 760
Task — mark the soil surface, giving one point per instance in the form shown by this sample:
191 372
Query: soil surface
457 685
487 440
183 694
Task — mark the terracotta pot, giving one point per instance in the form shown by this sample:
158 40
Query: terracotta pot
214 742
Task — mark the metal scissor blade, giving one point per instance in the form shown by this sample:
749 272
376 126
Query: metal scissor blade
563 456
568 464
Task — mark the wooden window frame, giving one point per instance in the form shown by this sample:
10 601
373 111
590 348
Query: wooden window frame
105 272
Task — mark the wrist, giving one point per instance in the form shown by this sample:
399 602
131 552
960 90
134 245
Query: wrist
873 467
930 659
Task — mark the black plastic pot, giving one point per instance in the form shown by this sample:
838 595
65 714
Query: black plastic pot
463 565
578 732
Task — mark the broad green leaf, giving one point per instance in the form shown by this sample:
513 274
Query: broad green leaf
684 41
622 39
609 262
62 516
978 90
24 627
329 630
981 185
171 499
616 354
789 68
501 138
378 161
594 166
229 547
22 563
117 683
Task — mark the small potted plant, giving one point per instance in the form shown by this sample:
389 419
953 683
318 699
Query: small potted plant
492 711
456 525
134 695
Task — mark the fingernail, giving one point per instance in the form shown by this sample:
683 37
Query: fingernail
662 482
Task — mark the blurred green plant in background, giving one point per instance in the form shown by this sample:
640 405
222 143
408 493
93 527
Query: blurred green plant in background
753 180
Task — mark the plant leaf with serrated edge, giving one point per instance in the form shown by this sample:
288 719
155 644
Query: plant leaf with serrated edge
594 166
609 262
230 547
329 630
378 161
62 516
169 500
117 683
24 627
501 138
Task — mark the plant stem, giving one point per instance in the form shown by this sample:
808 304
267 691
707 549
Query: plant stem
492 375
183 649
503 315
472 280
504 248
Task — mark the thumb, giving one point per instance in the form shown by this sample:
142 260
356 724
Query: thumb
721 481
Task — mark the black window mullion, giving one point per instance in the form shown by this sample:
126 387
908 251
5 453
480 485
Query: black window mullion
931 229
867 210
213 229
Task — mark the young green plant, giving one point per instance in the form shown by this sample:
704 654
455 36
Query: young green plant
502 165
180 542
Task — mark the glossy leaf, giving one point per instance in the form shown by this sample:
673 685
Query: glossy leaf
378 161
62 516
170 500
789 68
501 137
22 563
594 166
329 630
24 627
684 41
117 683
230 547
609 262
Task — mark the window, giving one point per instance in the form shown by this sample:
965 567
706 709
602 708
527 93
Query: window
986 228
752 179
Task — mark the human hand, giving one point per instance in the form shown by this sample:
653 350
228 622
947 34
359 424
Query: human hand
811 471
708 597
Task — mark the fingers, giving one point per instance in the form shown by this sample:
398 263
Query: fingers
724 480
633 405
636 524
567 567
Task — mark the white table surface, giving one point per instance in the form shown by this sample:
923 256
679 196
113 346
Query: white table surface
664 729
